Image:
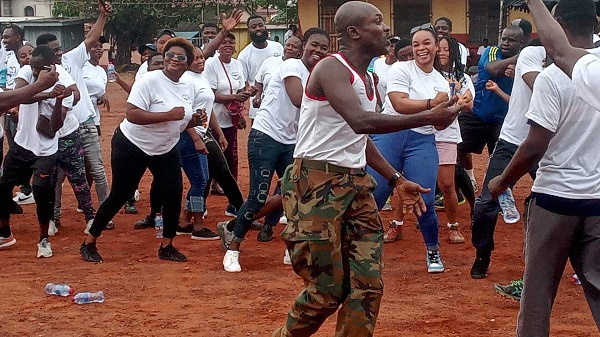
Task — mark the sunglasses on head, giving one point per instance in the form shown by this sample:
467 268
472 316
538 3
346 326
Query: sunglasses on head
172 55
425 26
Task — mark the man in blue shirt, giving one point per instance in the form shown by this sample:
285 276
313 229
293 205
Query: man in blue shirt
482 126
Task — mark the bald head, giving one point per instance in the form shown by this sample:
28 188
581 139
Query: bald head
352 13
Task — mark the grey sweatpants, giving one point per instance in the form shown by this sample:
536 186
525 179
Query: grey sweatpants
551 239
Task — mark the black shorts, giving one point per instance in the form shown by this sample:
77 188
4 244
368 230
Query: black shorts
476 134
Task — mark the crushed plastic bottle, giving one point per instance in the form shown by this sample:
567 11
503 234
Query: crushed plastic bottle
158 225
58 289
89 297
510 213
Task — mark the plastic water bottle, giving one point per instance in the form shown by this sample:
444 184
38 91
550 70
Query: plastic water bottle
575 279
158 225
58 289
510 213
110 73
87 297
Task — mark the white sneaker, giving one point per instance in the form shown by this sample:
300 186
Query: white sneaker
231 261
283 219
136 195
87 227
44 248
79 210
52 229
287 260
24 199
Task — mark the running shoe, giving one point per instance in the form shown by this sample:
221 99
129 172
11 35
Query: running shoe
287 259
231 261
455 235
130 207
394 231
512 290
170 253
226 236
283 220
388 205
439 202
230 211
52 229
24 199
434 262
147 222
480 267
187 230
44 248
205 234
7 242
89 252
266 233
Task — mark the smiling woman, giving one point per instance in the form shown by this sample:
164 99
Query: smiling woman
161 105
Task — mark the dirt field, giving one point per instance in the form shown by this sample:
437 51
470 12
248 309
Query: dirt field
146 296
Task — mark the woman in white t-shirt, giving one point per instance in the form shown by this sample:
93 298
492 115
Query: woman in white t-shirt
272 140
447 139
291 50
381 67
414 86
226 77
161 105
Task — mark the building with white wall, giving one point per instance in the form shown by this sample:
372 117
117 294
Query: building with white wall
26 8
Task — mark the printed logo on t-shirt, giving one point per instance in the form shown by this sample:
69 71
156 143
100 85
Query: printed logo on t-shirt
235 75
186 98
67 68
276 54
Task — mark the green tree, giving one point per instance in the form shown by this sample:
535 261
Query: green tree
135 22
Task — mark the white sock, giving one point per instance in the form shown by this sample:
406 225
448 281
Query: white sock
397 223
471 174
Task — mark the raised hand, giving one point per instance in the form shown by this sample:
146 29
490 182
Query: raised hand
105 7
230 22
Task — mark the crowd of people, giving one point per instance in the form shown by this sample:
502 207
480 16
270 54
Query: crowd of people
342 131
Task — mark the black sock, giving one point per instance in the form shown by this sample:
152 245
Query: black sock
230 225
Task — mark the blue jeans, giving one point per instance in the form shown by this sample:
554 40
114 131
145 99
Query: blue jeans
416 157
265 157
195 166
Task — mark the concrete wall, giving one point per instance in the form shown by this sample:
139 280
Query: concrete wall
41 8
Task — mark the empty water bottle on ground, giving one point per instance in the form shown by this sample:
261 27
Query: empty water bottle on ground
58 289
110 73
88 297
158 225
510 213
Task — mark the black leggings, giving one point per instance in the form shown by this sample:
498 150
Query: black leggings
128 166
219 170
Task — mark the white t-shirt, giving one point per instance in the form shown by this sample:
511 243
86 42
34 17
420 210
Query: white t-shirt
278 116
2 122
570 167
95 81
480 50
156 93
70 123
205 97
464 53
381 69
451 134
586 80
269 67
141 70
408 78
27 135
12 69
219 82
73 61
515 127
252 58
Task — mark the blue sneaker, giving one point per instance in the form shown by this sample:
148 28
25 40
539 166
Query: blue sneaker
434 262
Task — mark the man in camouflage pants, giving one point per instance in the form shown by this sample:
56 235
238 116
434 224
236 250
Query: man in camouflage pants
334 233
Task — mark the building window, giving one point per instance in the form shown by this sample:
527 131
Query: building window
409 14
483 20
29 11
327 9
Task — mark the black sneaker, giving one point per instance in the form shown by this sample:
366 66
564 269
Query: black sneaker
480 267
170 253
187 230
230 211
205 234
89 252
266 233
16 208
439 202
147 222
130 207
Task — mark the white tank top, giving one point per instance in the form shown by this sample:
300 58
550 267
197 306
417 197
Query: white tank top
322 132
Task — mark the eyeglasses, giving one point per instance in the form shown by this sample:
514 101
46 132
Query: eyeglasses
172 55
425 26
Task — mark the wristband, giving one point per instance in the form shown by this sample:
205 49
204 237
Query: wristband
429 104
394 178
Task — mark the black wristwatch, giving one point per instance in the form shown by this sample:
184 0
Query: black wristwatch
393 179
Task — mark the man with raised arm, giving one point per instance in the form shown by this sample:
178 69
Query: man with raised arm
334 231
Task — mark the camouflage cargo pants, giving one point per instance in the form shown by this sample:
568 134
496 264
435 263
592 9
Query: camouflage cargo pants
335 238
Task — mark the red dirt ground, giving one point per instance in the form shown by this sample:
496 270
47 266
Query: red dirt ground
146 296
